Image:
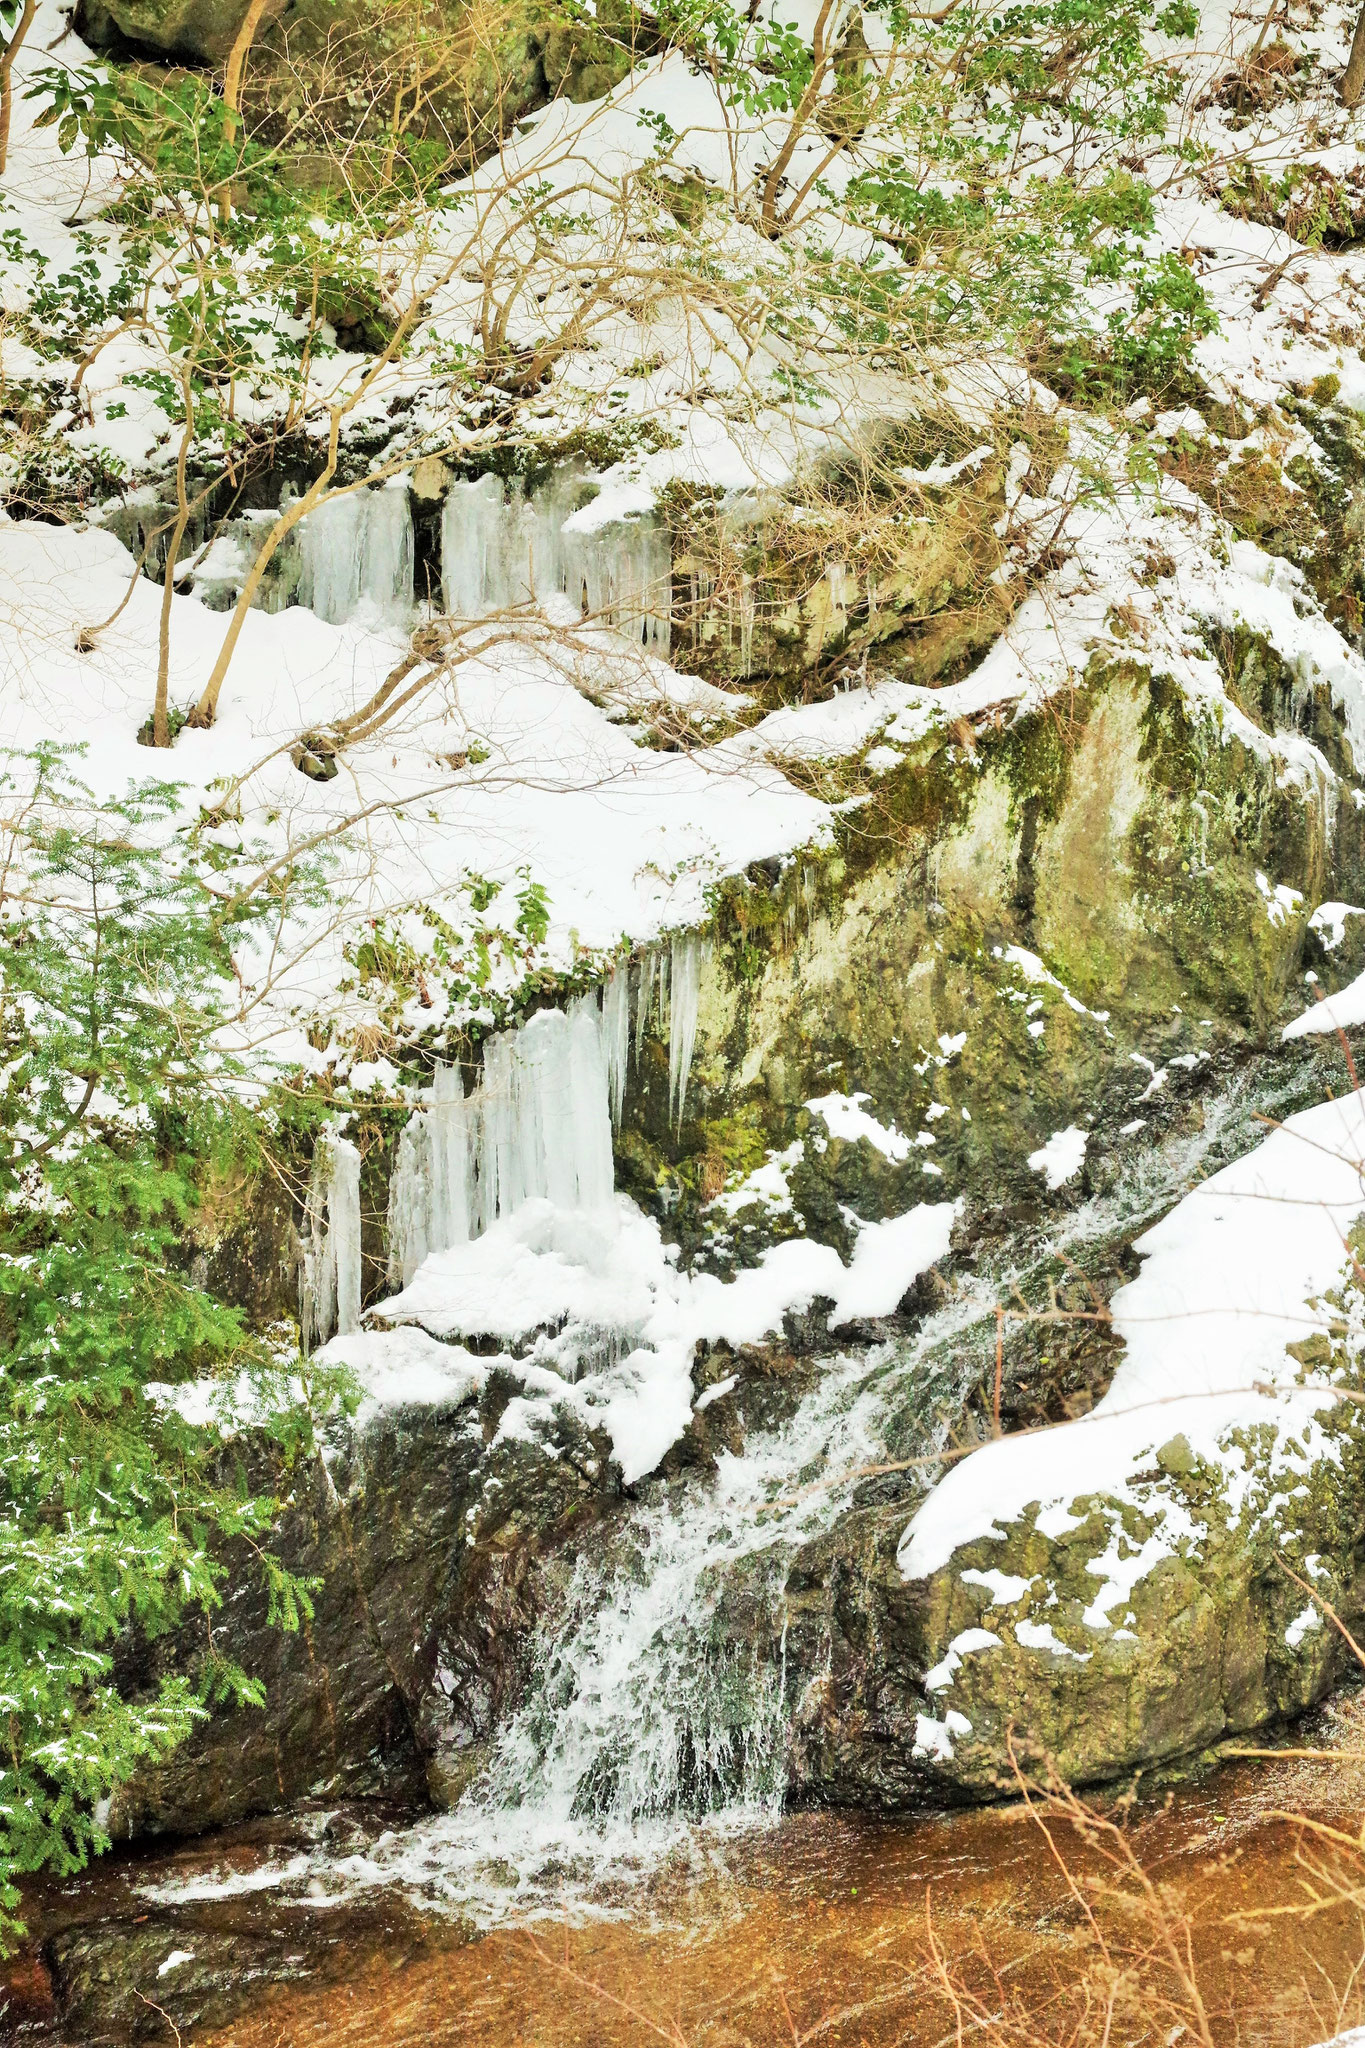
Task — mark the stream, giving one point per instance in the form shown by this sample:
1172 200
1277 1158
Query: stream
623 1868
822 1928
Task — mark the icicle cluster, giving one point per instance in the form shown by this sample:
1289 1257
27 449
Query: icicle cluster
668 993
329 1278
501 547
356 554
538 1121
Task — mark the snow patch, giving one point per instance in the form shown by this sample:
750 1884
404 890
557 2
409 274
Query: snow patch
1063 1156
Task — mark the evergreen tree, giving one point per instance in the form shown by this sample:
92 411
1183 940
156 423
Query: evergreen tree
122 1380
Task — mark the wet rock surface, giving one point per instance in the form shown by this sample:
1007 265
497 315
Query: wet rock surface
112 1962
1060 925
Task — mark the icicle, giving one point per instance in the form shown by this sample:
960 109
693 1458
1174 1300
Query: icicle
587 1075
410 1201
357 552
329 1274
537 1125
474 546
386 563
317 1272
450 1160
644 995
500 548
343 1234
545 1110
616 1037
501 1174
684 998
330 543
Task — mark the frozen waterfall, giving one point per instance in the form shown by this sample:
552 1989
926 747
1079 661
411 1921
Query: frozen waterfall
356 555
329 1279
538 1121
501 546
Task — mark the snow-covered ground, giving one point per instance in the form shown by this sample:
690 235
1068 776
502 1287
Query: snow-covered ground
597 1317
530 761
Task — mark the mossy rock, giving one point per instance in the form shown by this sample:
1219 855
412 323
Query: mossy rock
1209 1643
1116 848
203 31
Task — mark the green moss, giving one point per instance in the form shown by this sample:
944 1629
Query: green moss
909 809
1036 756
745 915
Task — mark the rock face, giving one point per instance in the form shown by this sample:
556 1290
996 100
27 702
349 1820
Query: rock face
375 1533
473 89
201 30
1010 918
431 1555
1215 1645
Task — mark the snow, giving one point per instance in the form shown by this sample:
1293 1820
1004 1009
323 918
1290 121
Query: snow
1005 1588
1342 1012
595 1315
845 1118
530 757
1229 1278
407 1367
627 840
1302 1625
624 839
1062 1157
1329 922
766 1184
1280 901
935 1738
889 1256
1040 1635
962 1645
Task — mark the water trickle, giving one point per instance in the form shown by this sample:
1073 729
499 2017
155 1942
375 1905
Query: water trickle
661 1690
356 556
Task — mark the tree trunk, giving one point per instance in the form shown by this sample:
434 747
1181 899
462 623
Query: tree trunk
11 51
1353 81
161 713
232 81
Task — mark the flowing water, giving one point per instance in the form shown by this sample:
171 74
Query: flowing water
640 1784
828 1931
657 1716
659 1704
